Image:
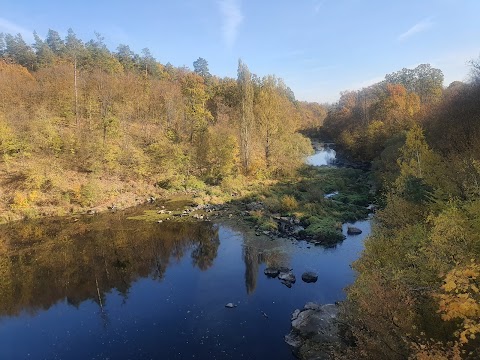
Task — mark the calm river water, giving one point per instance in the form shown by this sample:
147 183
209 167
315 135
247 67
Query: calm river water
105 287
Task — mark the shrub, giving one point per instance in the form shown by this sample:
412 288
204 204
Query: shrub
288 203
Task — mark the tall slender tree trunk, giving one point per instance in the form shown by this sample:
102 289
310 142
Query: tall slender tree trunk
76 89
247 118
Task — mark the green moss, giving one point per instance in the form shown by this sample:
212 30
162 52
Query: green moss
324 229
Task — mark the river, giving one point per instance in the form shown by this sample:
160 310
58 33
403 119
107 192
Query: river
105 287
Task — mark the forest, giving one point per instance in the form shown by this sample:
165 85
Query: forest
82 126
417 291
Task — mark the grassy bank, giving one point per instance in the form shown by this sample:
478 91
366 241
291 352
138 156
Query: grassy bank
313 204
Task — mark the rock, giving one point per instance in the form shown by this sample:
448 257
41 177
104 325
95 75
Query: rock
271 272
315 332
286 283
287 277
256 205
230 305
329 196
312 306
309 277
295 314
352 230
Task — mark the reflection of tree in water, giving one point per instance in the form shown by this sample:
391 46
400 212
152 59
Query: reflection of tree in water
45 261
206 247
253 257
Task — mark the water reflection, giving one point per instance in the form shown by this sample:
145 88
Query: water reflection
105 287
42 263
253 258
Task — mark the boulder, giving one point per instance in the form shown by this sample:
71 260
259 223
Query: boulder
314 333
287 277
309 277
352 230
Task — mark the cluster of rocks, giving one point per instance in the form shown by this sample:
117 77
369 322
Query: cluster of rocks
287 277
314 333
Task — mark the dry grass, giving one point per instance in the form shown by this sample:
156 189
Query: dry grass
39 187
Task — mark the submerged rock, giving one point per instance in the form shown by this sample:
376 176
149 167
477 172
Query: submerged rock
271 272
314 334
230 305
287 277
309 277
352 230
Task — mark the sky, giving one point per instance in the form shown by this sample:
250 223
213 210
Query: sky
318 47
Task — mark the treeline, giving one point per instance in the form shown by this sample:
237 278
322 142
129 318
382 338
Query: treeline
68 105
417 294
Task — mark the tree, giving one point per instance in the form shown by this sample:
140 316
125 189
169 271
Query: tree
460 299
2 44
425 81
244 81
45 55
475 69
269 115
149 63
74 48
55 42
418 160
197 115
396 107
126 57
99 57
200 67
17 49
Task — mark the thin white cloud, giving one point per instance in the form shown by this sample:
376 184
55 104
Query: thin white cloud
9 27
419 27
232 17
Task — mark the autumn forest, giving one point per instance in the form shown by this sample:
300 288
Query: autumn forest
84 127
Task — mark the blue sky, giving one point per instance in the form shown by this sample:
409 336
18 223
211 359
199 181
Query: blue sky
319 47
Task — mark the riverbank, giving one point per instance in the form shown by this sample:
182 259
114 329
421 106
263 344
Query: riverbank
311 206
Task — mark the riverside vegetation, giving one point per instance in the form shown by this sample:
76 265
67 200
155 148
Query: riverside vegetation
417 293
84 127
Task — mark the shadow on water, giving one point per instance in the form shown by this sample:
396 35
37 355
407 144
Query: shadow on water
106 287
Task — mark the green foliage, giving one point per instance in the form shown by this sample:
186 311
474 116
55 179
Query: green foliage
9 144
325 229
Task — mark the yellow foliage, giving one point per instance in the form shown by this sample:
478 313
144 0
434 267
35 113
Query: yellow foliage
289 203
461 300
20 200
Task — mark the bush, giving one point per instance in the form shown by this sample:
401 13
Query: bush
288 203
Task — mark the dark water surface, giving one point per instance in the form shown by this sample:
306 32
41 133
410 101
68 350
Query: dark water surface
106 287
